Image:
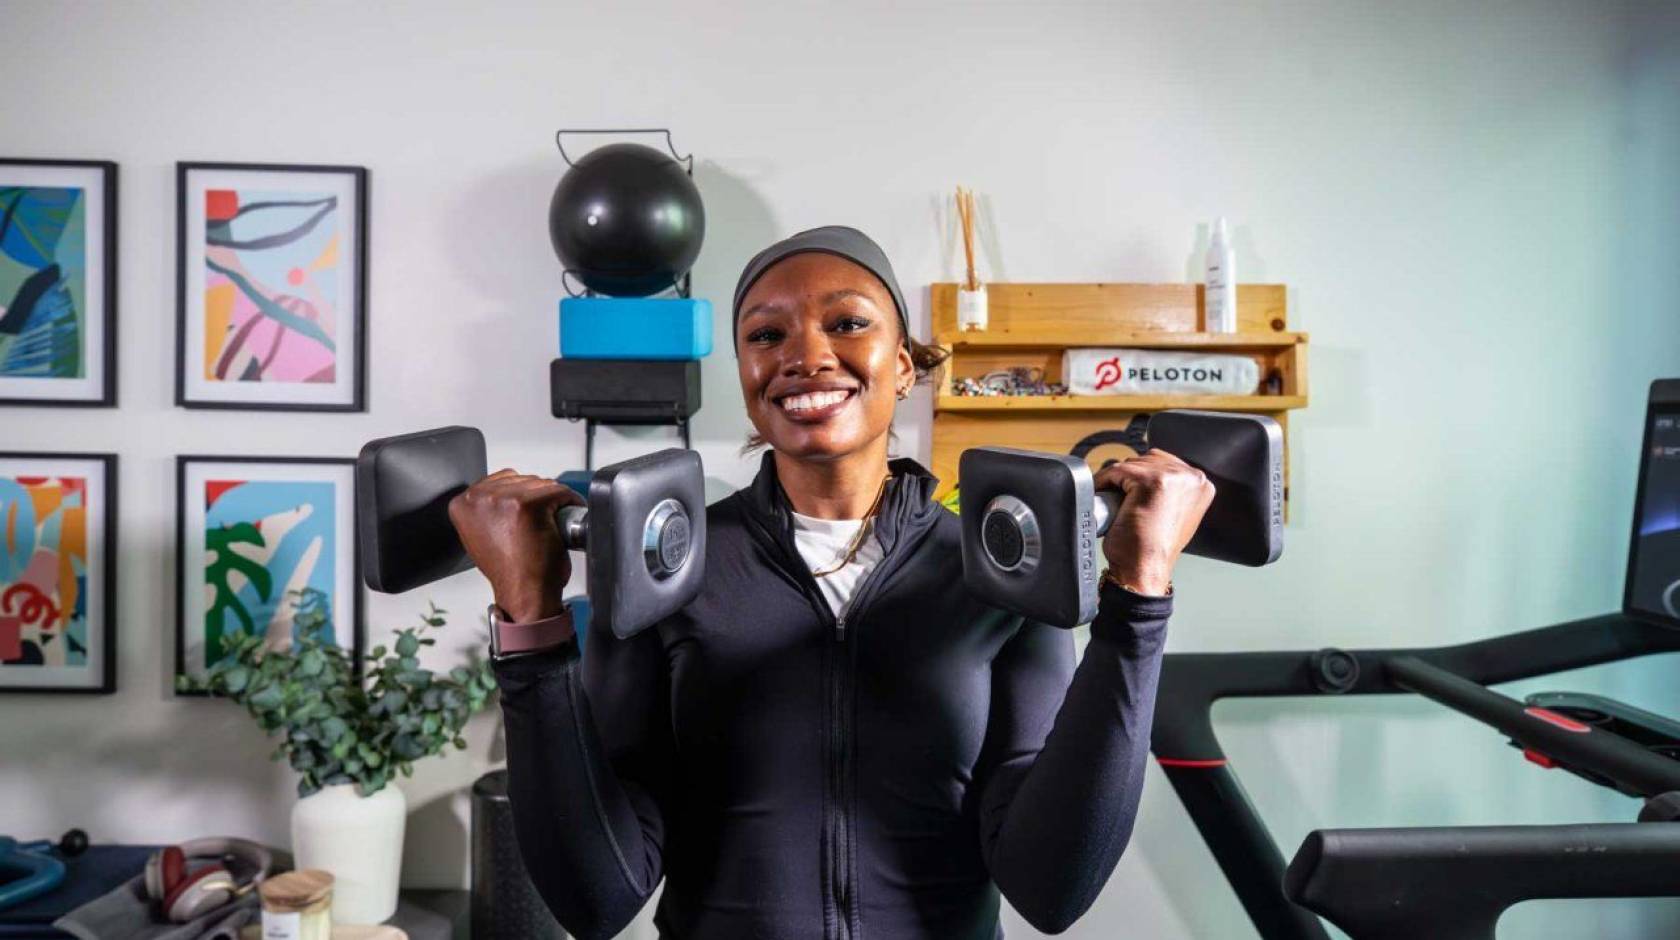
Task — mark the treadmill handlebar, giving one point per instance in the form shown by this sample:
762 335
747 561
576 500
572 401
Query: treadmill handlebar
1183 737
1400 884
1632 767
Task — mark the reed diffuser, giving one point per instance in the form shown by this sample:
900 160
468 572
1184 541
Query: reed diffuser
971 294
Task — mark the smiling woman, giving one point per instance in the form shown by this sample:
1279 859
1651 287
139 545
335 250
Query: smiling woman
825 352
834 738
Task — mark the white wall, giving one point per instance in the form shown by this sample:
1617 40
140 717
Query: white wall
1474 205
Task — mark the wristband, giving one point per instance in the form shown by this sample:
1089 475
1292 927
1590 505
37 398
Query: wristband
509 638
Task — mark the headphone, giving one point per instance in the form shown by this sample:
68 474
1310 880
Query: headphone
184 893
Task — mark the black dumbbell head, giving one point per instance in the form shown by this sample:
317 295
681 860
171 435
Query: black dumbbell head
1029 533
647 539
403 488
1243 456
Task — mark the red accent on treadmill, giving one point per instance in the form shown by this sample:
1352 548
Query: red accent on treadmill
1557 720
1192 764
1535 757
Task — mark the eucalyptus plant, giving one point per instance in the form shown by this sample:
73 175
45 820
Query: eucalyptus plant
335 729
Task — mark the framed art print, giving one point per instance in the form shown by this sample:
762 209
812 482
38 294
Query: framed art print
58 282
58 572
264 545
271 286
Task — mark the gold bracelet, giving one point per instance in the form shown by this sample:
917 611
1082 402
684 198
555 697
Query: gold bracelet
1109 576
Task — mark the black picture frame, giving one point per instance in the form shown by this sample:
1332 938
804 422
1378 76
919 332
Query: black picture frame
358 626
107 317
108 582
360 179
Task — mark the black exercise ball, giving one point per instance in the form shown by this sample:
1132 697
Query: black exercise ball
626 220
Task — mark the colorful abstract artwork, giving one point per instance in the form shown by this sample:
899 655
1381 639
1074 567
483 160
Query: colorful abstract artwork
56 248
268 547
272 287
272 262
43 273
57 521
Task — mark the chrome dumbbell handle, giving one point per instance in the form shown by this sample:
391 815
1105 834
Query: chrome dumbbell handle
666 535
573 523
1103 510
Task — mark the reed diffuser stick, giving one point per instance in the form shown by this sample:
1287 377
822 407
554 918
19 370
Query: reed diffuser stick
965 213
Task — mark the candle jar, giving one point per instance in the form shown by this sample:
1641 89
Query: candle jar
297 906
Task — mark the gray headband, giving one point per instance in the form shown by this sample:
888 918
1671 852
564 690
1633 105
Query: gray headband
848 243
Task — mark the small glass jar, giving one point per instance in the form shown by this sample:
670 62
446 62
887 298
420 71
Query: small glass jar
297 905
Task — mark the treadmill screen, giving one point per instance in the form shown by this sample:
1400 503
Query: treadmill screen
1653 587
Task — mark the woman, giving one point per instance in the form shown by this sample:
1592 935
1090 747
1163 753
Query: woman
833 739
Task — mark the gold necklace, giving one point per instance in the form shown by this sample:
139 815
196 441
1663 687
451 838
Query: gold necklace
862 532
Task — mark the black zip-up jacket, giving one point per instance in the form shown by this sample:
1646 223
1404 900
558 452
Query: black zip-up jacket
793 775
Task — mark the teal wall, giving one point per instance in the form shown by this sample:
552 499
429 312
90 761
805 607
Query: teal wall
1467 467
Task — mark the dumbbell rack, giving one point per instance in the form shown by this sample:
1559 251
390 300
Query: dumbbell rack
1033 324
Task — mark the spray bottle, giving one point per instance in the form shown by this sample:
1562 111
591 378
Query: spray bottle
1221 285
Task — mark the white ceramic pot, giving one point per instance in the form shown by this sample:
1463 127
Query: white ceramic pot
357 838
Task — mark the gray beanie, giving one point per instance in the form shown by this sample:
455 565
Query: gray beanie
848 243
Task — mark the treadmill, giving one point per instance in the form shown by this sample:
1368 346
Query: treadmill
1453 883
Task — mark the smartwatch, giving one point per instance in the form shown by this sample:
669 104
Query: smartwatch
509 639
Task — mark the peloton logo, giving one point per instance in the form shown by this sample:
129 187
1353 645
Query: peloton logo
1108 373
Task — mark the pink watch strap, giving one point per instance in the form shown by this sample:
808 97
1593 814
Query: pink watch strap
514 637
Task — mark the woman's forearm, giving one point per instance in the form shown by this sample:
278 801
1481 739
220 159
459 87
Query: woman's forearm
1056 823
591 841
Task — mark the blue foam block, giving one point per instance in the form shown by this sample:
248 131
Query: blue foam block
577 480
635 328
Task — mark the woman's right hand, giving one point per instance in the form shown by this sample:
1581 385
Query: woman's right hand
506 523
1163 502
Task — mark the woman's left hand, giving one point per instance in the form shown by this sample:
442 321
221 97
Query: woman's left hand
1162 502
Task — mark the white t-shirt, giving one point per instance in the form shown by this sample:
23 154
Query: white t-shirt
823 543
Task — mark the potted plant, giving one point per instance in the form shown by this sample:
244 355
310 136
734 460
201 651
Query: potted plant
349 739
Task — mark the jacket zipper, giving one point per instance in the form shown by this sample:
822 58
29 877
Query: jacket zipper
838 823
840 741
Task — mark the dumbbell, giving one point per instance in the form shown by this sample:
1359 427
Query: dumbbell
643 531
1032 522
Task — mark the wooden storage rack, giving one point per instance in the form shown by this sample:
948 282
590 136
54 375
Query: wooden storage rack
1031 325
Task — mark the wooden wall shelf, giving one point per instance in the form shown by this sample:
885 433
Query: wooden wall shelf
1032 324
1261 404
1063 338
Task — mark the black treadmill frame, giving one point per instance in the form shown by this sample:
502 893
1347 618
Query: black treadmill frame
1188 751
